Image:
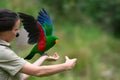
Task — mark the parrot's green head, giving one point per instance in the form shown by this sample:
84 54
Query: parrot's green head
51 41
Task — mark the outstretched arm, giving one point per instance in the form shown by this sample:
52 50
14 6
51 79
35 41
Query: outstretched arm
39 71
41 60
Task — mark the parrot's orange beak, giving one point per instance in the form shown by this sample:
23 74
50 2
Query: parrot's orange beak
56 41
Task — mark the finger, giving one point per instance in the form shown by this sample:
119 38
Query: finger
55 55
75 59
66 57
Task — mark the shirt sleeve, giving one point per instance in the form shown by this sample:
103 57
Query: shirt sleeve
10 62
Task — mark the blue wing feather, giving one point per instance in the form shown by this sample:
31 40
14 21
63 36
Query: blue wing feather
46 22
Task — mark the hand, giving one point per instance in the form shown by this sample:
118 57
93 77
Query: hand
54 57
70 62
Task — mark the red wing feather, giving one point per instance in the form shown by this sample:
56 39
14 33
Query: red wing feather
42 40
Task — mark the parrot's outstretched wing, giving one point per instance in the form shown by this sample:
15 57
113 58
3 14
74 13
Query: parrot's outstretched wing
35 30
46 22
29 24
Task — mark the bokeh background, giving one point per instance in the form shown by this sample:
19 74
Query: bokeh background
87 29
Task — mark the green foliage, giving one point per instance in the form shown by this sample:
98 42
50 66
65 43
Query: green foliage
3 3
104 12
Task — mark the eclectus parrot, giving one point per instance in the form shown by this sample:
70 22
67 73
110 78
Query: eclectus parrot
40 32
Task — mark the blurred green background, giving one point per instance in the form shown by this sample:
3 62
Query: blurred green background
87 29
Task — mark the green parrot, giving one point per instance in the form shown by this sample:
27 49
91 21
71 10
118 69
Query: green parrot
40 32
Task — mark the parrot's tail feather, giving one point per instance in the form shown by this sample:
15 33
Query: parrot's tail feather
30 56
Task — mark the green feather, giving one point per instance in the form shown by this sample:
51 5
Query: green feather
48 29
49 44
